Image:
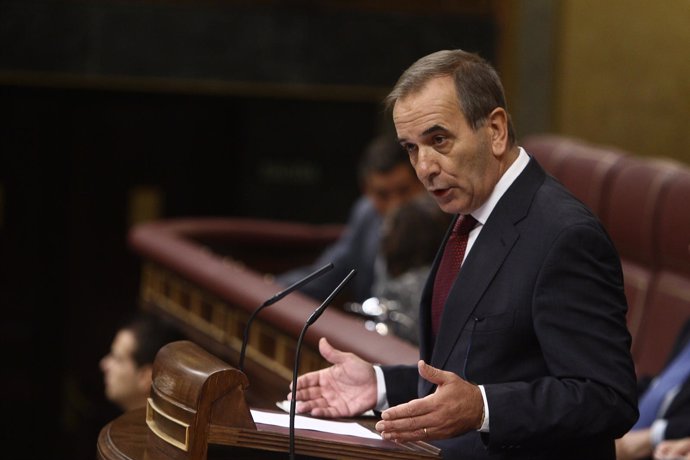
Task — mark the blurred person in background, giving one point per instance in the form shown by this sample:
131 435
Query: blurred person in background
128 368
387 179
664 405
410 236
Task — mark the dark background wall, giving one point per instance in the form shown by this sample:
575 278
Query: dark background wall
225 108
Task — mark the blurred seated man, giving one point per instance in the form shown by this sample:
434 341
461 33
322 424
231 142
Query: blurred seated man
127 369
410 237
387 179
664 405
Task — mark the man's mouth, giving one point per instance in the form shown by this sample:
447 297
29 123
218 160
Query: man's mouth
439 192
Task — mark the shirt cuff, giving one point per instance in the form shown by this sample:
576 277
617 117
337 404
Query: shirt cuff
485 424
381 397
657 431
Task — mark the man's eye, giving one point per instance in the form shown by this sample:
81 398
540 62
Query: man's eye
439 139
409 148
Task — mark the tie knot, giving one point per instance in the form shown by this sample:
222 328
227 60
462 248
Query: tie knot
464 224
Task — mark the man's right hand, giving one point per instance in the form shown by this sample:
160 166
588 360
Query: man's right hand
345 389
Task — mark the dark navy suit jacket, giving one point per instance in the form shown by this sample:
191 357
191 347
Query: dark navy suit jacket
537 316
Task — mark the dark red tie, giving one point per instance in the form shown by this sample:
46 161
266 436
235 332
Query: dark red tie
449 267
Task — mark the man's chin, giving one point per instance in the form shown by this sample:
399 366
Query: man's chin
448 207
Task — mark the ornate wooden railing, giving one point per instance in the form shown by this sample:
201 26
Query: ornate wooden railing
208 275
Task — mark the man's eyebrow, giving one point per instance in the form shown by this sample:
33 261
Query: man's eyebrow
433 129
426 132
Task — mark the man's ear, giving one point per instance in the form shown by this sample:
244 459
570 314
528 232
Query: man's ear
497 123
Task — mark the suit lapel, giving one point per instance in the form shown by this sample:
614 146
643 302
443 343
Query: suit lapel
484 260
493 245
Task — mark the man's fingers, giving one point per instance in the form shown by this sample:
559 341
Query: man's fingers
317 408
412 421
332 355
431 374
408 429
310 379
417 435
326 412
306 394
414 408
309 406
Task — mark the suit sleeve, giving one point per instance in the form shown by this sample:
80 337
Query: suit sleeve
401 383
578 314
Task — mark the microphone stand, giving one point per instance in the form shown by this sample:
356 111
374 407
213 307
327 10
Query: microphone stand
314 316
273 300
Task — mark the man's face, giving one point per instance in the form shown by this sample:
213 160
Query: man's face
456 164
392 188
125 384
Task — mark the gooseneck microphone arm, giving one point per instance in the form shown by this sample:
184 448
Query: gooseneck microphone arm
271 301
314 316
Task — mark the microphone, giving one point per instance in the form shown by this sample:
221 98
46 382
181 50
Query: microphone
273 300
312 318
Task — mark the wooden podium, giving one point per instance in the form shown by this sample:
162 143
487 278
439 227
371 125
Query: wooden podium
197 410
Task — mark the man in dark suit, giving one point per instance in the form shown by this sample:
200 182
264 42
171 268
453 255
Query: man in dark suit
529 355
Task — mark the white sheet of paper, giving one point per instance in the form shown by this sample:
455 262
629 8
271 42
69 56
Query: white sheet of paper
316 424
285 405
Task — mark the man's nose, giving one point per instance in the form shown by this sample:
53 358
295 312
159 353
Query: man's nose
426 166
